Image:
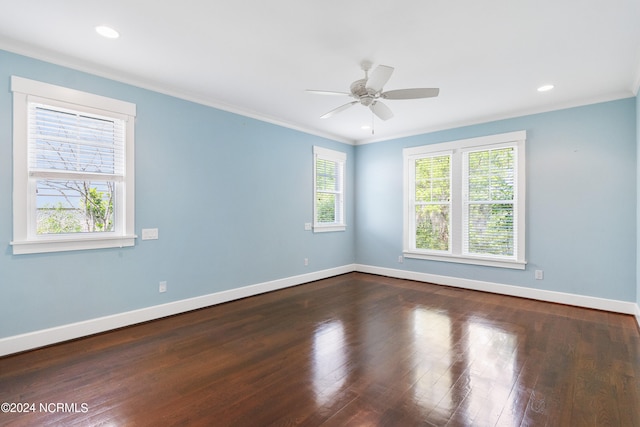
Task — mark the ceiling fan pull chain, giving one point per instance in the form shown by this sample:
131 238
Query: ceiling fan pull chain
373 122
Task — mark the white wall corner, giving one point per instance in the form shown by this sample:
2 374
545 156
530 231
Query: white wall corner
636 83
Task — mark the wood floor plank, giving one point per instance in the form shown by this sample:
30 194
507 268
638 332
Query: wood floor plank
355 349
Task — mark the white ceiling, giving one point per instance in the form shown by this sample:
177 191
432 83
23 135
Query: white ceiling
257 57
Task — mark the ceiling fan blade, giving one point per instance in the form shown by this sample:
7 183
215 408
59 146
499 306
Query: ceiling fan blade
415 93
379 77
326 92
382 111
338 110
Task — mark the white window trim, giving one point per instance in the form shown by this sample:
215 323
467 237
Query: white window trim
340 158
457 148
25 90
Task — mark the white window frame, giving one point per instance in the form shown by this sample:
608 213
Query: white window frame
340 158
457 149
25 239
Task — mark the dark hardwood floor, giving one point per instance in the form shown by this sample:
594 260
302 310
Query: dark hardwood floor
353 350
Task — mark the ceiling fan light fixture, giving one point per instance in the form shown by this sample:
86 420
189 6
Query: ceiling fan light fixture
107 32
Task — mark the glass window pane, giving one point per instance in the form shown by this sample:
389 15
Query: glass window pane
326 175
491 229
67 206
326 207
432 180
432 227
70 141
491 175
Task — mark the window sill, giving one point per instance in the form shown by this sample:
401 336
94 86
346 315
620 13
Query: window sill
489 262
321 228
71 244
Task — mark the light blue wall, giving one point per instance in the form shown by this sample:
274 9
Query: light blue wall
581 201
229 195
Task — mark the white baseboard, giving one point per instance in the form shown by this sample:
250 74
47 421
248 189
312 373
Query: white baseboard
41 338
516 291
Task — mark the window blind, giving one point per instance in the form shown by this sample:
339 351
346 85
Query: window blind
328 189
489 204
74 145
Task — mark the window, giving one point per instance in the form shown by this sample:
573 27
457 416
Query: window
328 200
464 201
73 169
433 202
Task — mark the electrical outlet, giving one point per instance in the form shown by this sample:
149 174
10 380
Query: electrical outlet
162 287
307 226
306 261
400 259
539 274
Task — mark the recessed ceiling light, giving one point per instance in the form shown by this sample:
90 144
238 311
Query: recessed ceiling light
545 88
107 32
365 127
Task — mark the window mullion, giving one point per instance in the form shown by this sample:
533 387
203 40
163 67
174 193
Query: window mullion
457 196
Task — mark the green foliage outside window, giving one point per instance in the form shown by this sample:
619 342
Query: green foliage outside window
94 212
432 227
326 207
489 203
98 209
58 219
433 193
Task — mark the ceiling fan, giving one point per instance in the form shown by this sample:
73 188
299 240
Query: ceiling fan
368 92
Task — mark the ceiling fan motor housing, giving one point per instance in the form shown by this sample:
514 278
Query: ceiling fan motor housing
361 93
